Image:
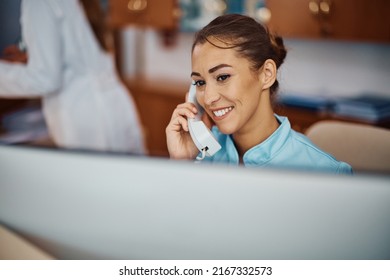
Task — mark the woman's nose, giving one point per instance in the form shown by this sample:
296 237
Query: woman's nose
210 96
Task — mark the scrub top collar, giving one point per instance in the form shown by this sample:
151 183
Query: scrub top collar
267 150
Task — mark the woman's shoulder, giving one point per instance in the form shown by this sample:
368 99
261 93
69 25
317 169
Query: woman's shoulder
319 158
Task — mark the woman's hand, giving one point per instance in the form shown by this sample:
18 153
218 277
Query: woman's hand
179 142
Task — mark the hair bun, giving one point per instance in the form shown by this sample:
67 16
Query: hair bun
278 48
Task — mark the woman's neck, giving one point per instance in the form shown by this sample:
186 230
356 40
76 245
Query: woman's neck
265 124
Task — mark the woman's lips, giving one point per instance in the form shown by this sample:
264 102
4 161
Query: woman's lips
221 113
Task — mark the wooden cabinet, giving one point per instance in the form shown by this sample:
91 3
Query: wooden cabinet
144 13
358 20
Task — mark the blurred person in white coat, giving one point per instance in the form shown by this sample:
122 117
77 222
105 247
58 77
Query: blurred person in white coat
69 66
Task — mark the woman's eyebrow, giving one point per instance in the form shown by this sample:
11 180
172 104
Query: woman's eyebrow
195 74
212 70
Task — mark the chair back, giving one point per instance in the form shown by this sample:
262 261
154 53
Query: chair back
366 148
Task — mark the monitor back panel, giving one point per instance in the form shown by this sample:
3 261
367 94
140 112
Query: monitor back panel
89 206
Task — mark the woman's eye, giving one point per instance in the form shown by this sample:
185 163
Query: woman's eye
199 83
223 77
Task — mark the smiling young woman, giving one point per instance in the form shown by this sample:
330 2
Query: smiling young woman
234 67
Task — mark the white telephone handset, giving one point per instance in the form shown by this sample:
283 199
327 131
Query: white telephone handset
200 134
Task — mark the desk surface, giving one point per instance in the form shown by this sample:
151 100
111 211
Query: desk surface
14 247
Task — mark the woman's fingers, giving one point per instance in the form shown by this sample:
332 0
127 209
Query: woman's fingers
180 123
187 110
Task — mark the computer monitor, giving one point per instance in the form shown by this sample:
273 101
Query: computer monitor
77 205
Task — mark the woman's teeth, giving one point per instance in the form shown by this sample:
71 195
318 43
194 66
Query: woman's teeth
222 112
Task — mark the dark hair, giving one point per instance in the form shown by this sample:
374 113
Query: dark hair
250 38
96 17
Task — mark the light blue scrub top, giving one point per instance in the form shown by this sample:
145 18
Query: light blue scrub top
285 148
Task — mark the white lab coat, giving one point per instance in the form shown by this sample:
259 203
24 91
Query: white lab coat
84 103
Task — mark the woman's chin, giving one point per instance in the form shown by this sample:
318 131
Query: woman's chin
225 129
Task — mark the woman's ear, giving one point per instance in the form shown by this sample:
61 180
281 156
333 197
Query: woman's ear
268 74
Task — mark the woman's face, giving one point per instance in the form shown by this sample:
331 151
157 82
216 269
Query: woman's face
227 88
